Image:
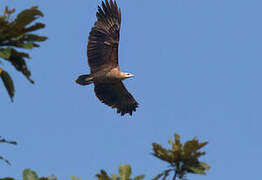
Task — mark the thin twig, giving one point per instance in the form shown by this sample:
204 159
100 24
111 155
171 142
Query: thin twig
2 140
5 160
174 177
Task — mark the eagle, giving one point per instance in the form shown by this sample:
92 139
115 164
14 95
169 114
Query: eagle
102 53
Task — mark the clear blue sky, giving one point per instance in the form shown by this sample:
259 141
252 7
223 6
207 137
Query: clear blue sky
197 66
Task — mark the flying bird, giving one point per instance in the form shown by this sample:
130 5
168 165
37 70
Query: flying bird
102 52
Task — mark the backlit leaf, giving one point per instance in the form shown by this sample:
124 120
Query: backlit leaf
177 137
204 166
125 172
139 177
28 46
74 178
182 158
114 176
8 83
197 170
29 175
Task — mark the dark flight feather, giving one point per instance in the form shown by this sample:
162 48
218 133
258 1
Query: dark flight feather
102 50
115 94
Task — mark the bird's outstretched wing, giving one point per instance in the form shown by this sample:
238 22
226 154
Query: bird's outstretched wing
115 94
102 50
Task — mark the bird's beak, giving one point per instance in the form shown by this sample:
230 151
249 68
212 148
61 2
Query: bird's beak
132 75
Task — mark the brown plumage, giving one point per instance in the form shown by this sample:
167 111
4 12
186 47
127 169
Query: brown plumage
102 52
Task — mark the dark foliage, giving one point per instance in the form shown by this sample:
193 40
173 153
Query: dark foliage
17 34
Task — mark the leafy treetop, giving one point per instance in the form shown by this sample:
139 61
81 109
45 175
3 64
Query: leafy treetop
182 158
17 34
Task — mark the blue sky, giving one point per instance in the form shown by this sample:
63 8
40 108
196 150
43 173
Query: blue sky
197 66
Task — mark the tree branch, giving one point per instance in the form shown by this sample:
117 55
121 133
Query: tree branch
174 177
2 140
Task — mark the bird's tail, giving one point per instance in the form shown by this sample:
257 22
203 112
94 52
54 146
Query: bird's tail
85 79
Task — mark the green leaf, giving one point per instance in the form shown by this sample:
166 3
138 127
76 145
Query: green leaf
192 147
183 159
5 53
125 172
114 176
103 175
27 46
33 37
197 170
202 144
27 16
12 33
189 147
139 177
18 27
7 178
204 166
34 27
177 145
74 178
8 82
18 61
29 175
170 141
177 137
18 33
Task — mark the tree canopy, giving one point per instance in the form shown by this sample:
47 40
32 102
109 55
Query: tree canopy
18 34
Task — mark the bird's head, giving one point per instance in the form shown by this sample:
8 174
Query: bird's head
127 75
